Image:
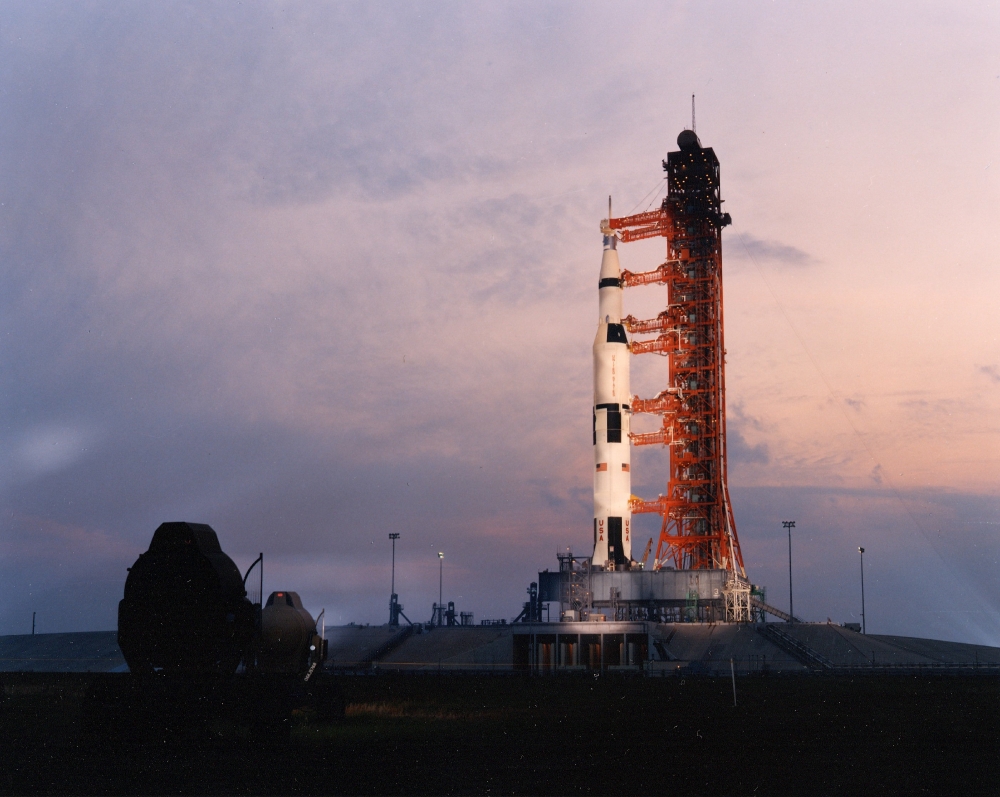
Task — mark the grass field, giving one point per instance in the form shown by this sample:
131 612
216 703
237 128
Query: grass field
512 735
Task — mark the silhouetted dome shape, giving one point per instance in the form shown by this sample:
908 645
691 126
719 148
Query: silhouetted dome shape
688 139
185 607
289 642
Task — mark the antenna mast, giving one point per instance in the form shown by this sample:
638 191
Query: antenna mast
694 127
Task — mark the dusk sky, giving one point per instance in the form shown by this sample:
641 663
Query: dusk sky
316 272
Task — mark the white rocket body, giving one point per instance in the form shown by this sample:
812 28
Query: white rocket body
612 452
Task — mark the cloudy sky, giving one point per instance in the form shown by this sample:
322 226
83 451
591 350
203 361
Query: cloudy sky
314 272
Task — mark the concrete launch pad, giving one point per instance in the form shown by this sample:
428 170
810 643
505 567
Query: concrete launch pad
652 649
641 648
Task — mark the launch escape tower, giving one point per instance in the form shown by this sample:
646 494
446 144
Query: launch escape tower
698 531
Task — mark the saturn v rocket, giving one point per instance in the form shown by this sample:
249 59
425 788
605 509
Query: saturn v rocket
612 477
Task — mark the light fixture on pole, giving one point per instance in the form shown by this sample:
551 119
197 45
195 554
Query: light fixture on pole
789 524
862 552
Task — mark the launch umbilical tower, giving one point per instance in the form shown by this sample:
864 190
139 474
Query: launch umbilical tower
698 531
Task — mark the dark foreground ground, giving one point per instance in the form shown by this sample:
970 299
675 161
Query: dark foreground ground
425 734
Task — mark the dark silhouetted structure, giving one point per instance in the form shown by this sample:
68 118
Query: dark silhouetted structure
289 642
185 608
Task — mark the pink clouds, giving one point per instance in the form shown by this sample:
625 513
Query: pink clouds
282 265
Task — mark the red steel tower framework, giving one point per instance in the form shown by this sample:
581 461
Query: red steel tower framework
698 530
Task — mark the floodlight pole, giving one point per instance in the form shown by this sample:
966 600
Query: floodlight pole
862 552
394 608
790 524
440 584
394 536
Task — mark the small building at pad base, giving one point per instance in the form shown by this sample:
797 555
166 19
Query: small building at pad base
597 646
